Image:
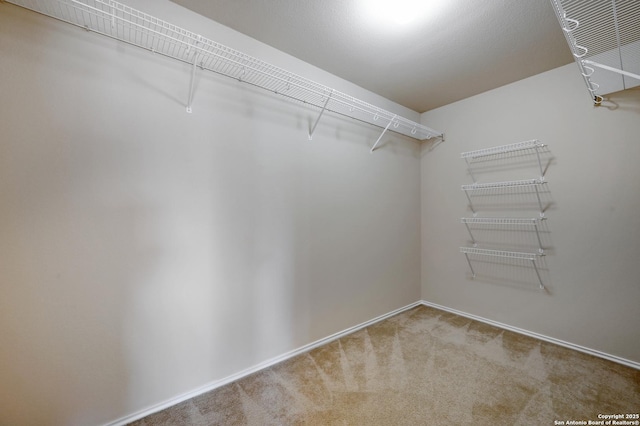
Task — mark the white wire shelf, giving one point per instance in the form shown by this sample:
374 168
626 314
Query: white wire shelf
505 221
533 144
603 34
121 22
505 184
499 253
535 183
504 254
470 222
518 146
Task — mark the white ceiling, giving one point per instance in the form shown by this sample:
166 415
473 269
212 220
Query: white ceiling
467 46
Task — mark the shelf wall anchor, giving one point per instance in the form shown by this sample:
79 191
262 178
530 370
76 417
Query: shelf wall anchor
324 107
373 148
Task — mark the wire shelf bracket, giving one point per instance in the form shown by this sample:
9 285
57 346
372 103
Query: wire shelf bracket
533 257
324 107
373 148
118 21
192 82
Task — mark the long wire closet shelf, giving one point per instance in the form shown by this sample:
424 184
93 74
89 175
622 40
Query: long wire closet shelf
121 22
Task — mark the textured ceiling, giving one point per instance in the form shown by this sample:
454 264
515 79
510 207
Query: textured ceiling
467 46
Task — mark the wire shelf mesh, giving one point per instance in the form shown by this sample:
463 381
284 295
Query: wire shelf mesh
505 184
500 221
518 146
116 20
499 253
603 33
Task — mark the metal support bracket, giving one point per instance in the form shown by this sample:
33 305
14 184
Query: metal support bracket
191 84
373 148
535 224
475 213
324 107
539 199
473 240
540 161
533 262
469 170
473 273
608 68
196 56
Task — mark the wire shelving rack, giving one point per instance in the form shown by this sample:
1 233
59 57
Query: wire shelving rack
503 223
602 34
121 22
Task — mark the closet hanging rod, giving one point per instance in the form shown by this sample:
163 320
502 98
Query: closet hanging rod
116 20
518 146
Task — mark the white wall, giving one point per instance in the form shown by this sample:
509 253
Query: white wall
145 252
593 229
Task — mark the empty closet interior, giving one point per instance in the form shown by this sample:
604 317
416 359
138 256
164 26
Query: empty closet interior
184 204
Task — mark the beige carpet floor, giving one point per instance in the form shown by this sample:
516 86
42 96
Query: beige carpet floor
421 367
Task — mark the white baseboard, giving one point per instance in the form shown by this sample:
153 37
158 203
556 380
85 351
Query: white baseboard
559 342
216 384
232 378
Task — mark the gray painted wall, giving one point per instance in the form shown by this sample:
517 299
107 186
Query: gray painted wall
145 252
592 233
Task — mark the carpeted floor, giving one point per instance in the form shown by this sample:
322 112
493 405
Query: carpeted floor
421 367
